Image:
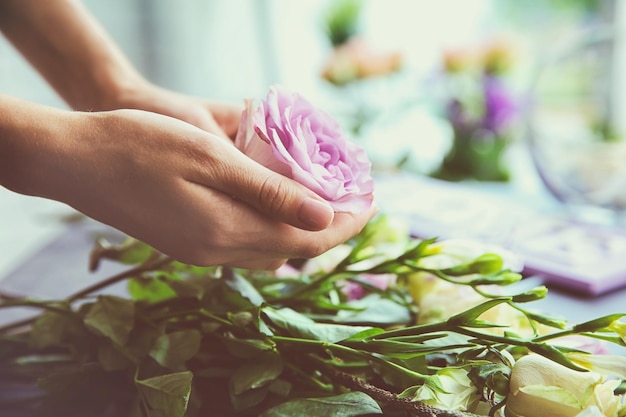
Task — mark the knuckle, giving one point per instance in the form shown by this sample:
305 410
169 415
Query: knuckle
274 264
274 194
312 250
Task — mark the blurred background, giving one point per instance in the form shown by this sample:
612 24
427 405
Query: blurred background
526 98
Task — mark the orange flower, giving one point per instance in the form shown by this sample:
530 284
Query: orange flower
355 59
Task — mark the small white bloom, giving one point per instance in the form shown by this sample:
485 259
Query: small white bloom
609 365
458 394
592 411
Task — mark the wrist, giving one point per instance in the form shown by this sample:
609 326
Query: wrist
33 139
114 88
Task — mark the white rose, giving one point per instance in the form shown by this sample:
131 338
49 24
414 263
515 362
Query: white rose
540 387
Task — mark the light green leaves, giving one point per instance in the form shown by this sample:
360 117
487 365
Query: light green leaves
166 395
351 404
112 317
298 325
256 372
172 350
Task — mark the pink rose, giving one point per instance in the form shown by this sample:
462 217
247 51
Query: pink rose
289 135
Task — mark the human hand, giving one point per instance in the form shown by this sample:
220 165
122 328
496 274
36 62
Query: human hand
190 194
219 118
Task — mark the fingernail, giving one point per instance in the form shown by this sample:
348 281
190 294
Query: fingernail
315 214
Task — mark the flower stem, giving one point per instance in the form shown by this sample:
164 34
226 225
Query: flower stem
350 351
119 277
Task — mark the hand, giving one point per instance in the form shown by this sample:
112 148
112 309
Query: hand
190 194
221 119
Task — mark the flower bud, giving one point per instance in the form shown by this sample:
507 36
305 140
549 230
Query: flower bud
534 294
599 323
619 327
487 263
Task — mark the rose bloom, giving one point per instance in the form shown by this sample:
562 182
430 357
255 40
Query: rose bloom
540 387
287 134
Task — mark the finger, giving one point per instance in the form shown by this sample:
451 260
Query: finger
227 116
274 195
284 241
207 122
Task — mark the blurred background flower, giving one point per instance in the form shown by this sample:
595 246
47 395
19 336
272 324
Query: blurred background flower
481 108
355 70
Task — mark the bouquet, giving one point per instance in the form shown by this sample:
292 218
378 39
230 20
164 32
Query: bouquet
384 324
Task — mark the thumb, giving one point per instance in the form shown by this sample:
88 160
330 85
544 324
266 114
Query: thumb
275 195
289 202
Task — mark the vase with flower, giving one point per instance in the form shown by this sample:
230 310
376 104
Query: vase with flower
482 111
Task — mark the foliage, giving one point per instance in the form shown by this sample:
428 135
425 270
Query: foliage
217 341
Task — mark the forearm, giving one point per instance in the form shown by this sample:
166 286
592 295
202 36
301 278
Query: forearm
70 49
31 137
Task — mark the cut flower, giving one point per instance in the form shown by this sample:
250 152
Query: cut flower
287 134
540 387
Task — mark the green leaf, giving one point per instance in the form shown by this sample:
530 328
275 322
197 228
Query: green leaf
129 252
237 282
366 334
249 398
141 341
150 289
247 348
376 310
112 317
346 405
166 395
48 330
298 325
172 350
494 376
256 373
111 359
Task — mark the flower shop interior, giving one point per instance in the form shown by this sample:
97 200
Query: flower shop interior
490 121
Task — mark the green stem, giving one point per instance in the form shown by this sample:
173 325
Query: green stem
35 304
567 332
26 322
491 337
212 316
312 286
92 288
350 351
413 330
119 277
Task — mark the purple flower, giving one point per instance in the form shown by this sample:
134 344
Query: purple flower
287 134
500 105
